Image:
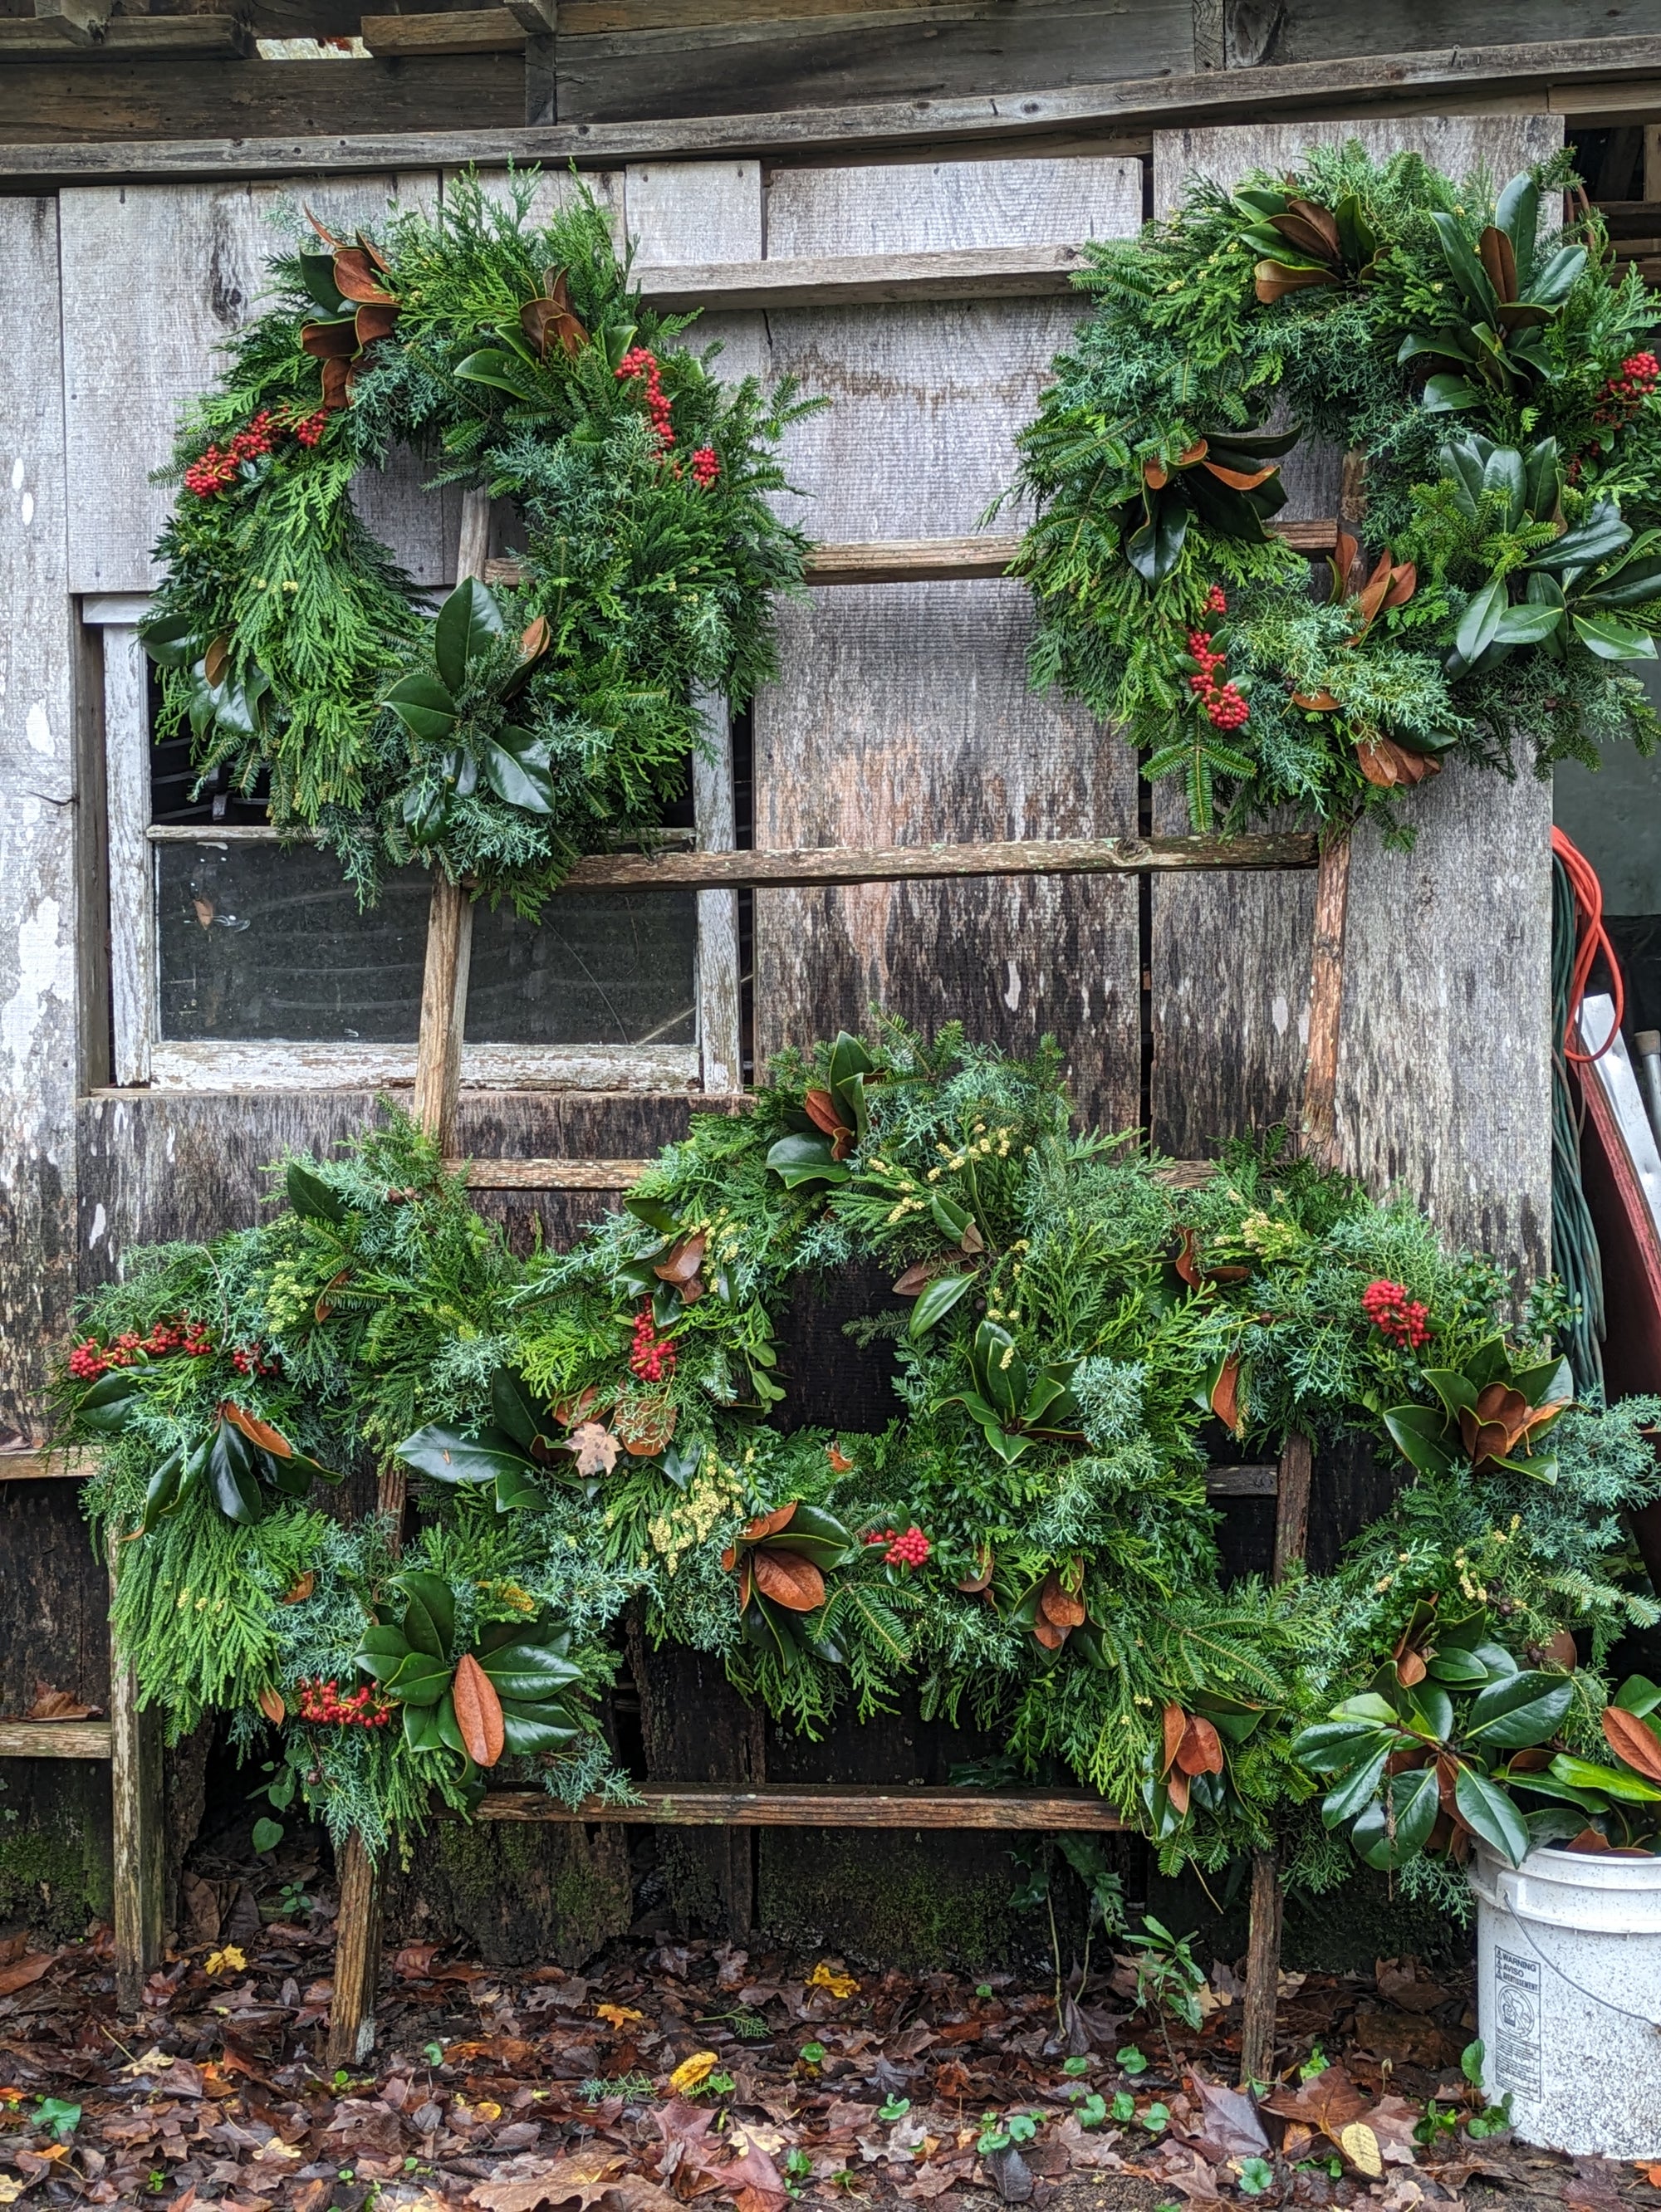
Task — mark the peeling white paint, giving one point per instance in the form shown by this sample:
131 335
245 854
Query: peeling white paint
27 508
95 1234
17 474
37 727
1011 997
44 972
1279 1013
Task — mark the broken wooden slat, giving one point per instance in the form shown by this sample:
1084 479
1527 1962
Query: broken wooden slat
465 31
54 1739
1030 856
818 1805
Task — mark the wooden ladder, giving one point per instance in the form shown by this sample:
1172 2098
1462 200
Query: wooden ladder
438 1069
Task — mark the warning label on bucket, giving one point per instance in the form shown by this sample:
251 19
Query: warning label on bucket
1517 2021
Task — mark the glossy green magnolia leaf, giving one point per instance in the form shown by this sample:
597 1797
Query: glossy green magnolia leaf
1154 549
1357 1787
529 1729
1637 1694
817 1535
515 1410
1418 1433
1485 1807
418 1680
801 1159
529 1671
380 1651
1429 1711
516 765
107 1407
653 1212
422 1731
1526 624
1336 1747
937 1300
173 640
446 1456
1395 1827
1611 640
1618 1783
312 1198
1517 213
161 1491
233 1476
1480 623
469 623
1602 532
504 372
424 707
517 1489
317 274
1446 393
949 1218
1520 1711
1467 271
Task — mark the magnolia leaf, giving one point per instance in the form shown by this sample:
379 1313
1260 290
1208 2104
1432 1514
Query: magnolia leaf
469 623
424 707
937 1301
1485 1809
594 1449
478 1711
1629 1739
516 765
256 1431
312 1198
787 1577
270 1703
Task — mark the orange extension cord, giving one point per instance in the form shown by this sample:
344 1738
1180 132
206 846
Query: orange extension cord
1590 939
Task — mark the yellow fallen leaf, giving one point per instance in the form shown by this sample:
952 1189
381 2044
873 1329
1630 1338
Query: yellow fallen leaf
826 1978
11 2190
618 2015
230 1961
1361 2147
486 2108
690 2071
273 2150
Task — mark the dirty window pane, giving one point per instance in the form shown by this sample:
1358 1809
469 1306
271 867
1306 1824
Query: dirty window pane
257 942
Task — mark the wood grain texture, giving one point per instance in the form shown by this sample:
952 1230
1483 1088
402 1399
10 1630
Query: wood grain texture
903 714
863 280
458 31
719 982
130 38
136 1799
63 106
947 862
154 1166
1312 31
54 1739
54 1603
258 1067
40 935
980 45
1441 1087
820 1805
155 279
73 1465
303 117
131 868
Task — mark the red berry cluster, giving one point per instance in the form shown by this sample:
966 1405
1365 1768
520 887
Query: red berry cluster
651 1357
639 362
1225 706
364 1708
1405 1320
706 467
250 1360
90 1360
218 467
910 1550
1623 395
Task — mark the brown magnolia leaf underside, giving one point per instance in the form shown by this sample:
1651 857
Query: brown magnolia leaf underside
478 1711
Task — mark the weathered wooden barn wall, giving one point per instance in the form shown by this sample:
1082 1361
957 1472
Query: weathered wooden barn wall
1446 945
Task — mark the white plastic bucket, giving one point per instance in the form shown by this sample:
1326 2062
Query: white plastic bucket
1568 2001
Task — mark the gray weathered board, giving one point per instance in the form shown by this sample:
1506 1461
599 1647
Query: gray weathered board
1443 1077
43 939
902 713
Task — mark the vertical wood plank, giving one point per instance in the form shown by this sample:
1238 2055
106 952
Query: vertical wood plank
40 936
902 713
721 1040
131 871
155 278
1442 1080
136 1799
356 1956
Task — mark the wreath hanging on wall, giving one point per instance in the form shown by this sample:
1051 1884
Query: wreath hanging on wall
1028 1547
522 726
1494 373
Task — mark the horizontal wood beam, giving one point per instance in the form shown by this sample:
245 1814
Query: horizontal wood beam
126 38
817 1805
1580 76
624 1175
74 1465
939 560
463 31
807 868
863 280
54 1739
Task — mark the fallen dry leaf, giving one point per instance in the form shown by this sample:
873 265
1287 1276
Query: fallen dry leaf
595 1448
230 1961
690 2071
21 1972
52 1705
824 1977
618 2015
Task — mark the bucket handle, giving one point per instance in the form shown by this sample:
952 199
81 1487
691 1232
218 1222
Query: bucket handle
1607 2003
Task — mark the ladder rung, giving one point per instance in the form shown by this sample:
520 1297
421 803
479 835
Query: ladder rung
531 1174
818 1805
847 280
934 560
72 1465
54 1739
809 866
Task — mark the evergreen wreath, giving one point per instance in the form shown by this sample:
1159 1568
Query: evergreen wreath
1494 373
1029 1545
523 726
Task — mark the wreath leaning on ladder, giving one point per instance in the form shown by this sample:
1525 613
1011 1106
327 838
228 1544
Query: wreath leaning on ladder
1493 372
524 726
